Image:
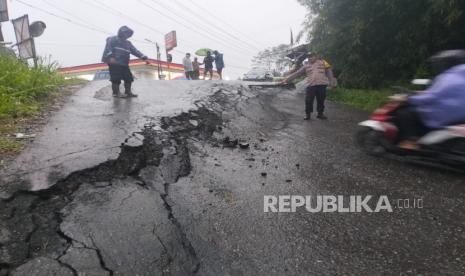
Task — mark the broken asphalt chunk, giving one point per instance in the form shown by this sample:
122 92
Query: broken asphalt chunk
194 122
244 145
228 143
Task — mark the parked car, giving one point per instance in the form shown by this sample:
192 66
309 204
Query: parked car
102 75
258 74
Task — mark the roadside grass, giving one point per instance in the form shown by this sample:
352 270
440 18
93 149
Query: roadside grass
24 90
364 99
10 146
24 93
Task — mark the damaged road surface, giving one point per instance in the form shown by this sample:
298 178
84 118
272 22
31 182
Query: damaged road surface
173 183
114 218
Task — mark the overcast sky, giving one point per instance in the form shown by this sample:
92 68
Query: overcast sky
238 28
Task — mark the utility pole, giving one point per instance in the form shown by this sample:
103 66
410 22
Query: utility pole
159 69
169 59
171 42
3 17
1 34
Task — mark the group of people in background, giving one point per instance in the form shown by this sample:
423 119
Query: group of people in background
192 68
117 53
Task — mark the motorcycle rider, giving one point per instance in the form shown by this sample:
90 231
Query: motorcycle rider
116 54
440 105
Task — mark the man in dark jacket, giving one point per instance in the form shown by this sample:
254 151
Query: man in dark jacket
208 61
219 62
117 52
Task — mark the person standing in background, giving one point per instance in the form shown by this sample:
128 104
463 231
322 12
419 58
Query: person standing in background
219 62
208 62
188 69
196 67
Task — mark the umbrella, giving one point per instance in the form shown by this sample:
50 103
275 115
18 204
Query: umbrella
203 52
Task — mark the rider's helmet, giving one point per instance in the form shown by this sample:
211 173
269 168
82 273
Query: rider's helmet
444 60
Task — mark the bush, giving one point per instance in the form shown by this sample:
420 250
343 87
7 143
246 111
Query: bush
23 90
368 100
375 43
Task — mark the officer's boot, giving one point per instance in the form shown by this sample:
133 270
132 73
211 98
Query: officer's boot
127 90
115 88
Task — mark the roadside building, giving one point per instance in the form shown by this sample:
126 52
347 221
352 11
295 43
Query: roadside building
139 68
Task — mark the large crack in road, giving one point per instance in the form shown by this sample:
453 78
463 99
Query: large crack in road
115 218
177 202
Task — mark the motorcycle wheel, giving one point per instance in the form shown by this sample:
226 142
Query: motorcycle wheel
370 141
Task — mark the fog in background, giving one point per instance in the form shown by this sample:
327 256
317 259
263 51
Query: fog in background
237 28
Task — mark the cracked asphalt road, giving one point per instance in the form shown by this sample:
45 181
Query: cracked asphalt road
172 200
224 197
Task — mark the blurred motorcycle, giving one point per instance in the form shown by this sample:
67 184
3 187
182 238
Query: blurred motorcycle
380 135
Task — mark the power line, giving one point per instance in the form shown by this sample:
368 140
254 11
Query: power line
115 11
82 21
221 34
212 24
104 7
229 25
63 18
209 35
118 13
87 26
175 50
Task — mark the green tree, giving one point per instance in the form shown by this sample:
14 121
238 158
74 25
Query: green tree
373 43
274 59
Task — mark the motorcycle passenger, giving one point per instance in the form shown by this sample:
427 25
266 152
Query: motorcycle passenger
440 105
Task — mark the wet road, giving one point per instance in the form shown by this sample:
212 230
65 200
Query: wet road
91 127
180 203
